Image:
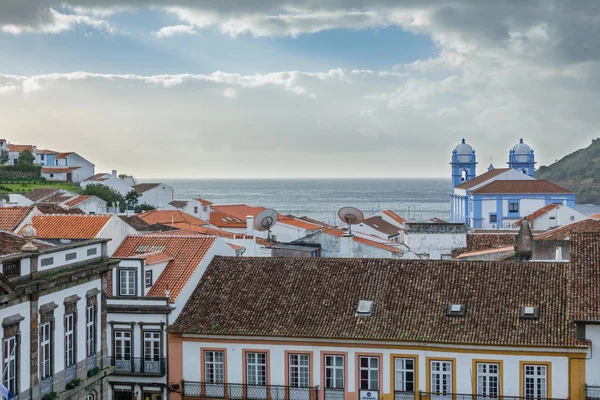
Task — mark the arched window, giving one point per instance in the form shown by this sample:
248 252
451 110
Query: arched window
464 175
90 397
523 171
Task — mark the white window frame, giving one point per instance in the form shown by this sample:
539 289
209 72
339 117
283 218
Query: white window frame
70 338
402 371
488 381
335 370
535 382
90 326
152 341
299 370
256 368
214 366
148 278
127 276
372 384
125 340
10 372
441 377
46 350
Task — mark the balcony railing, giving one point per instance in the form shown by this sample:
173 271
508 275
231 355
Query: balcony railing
139 366
458 396
91 362
404 395
592 392
334 394
70 373
238 391
47 385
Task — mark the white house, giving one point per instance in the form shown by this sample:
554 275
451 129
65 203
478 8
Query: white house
53 317
122 185
88 204
380 227
15 150
38 196
197 207
316 328
157 195
552 216
68 167
435 240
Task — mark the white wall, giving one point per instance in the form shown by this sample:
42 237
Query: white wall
56 176
25 342
18 200
158 197
435 244
560 216
116 230
94 205
59 257
113 183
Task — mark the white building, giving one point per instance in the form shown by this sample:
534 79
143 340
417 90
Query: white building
157 195
15 150
553 216
69 167
88 204
122 184
310 328
53 319
197 207
435 240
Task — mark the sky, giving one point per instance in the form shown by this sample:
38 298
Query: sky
304 88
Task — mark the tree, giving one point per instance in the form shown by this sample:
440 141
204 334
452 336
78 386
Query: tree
132 199
26 157
144 207
104 192
3 156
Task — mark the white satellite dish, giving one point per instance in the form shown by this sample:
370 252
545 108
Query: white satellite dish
265 221
351 216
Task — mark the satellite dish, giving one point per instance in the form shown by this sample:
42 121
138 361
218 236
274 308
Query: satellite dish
265 221
351 216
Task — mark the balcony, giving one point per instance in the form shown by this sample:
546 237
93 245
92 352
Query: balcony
334 394
592 392
238 391
458 396
139 366
47 385
403 395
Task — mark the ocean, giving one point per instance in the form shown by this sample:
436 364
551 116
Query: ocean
414 199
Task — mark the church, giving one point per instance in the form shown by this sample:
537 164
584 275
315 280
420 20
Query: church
500 197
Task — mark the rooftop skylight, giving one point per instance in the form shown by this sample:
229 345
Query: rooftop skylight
364 308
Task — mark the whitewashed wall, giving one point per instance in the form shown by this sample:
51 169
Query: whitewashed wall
24 345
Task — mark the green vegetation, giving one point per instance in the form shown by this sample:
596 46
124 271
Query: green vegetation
26 157
28 186
105 193
132 199
578 171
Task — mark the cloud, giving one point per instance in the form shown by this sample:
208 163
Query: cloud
169 31
230 93
58 23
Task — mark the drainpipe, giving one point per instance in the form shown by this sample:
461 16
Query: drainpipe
167 293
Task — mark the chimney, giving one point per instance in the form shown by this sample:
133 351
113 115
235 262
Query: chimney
524 242
558 253
114 173
249 225
347 246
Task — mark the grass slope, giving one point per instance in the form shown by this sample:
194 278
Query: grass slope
28 187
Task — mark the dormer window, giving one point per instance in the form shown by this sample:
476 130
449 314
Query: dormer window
364 308
457 310
530 312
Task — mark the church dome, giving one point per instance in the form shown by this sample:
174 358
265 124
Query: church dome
463 148
521 148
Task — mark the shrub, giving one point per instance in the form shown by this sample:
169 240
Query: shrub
50 396
73 384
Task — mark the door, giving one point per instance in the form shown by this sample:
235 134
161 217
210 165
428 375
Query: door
122 351
152 396
121 395
69 177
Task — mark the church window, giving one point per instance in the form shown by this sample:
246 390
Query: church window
493 218
463 176
513 207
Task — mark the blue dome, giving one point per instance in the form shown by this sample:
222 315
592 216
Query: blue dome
521 148
463 148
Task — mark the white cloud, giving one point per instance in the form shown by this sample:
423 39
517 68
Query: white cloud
59 23
230 93
169 31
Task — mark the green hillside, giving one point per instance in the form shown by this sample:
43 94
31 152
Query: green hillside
578 171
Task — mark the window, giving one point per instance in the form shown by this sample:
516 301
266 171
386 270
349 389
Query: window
70 339
47 261
9 364
195 209
493 218
70 256
405 374
46 350
90 397
256 368
42 157
92 252
334 372
148 279
51 175
12 269
123 345
369 373
204 208
152 346
572 218
535 381
364 308
441 377
488 377
90 328
513 207
127 282
299 370
214 367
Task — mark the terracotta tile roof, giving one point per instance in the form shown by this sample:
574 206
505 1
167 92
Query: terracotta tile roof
58 170
204 202
595 216
539 213
45 151
317 222
369 242
53 208
179 203
235 247
483 241
12 244
75 201
252 296
297 222
19 148
134 221
153 258
381 225
239 211
97 177
62 155
166 217
187 252
488 251
210 231
41 193
12 217
524 187
585 277
482 178
564 232
394 216
144 187
72 226
223 220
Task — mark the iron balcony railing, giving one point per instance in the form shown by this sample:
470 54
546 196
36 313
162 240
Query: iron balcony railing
334 394
139 366
592 392
239 391
405 395
460 396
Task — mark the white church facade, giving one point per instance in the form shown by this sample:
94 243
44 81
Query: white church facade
501 197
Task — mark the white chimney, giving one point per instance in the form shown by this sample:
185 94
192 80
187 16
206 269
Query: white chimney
249 225
558 253
114 173
347 246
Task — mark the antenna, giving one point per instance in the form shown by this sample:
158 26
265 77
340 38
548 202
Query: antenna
265 221
351 216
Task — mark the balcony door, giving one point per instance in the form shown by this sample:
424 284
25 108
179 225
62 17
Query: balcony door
152 354
123 351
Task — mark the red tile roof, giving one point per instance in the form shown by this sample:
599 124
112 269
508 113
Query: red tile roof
211 231
363 240
144 187
58 170
585 277
204 202
47 152
482 178
521 187
394 216
54 208
564 232
488 251
72 226
12 217
62 155
97 177
167 217
223 220
297 223
41 193
596 216
187 252
19 148
75 201
539 213
235 247
239 211
153 258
